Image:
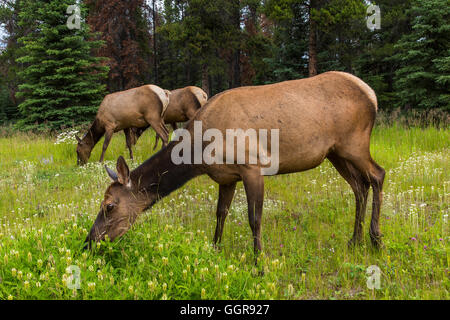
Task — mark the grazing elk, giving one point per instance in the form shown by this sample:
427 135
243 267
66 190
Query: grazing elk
183 105
134 108
329 116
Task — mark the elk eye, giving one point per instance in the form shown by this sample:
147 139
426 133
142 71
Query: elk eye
110 207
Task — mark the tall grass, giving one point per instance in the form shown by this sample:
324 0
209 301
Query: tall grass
47 204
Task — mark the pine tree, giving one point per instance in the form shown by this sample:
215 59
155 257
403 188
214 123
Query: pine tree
60 84
423 79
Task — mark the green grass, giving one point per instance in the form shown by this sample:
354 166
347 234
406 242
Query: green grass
46 210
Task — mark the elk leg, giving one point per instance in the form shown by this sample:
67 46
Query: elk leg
108 136
174 126
360 187
160 130
254 189
226 194
375 175
156 142
128 135
377 180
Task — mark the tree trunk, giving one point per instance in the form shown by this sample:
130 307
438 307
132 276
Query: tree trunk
154 43
237 53
312 42
206 86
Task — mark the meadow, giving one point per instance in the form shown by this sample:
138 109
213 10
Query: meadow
48 204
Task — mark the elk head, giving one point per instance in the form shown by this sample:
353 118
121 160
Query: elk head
120 208
83 152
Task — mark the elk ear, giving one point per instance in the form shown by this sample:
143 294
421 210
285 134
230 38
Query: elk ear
78 139
123 172
112 174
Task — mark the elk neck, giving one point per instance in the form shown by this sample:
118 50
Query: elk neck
159 175
94 134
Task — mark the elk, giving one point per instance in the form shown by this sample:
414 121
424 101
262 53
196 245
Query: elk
329 116
183 104
134 108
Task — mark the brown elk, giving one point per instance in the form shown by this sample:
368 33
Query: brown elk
329 116
134 108
183 105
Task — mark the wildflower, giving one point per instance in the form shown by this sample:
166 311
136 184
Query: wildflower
164 297
425 247
5 258
290 289
30 258
275 263
10 297
38 284
151 285
164 286
186 258
165 261
203 294
13 272
184 274
26 284
39 263
91 286
131 289
231 268
413 239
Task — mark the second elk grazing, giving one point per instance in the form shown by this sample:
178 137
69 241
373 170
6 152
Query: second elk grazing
329 116
134 108
183 105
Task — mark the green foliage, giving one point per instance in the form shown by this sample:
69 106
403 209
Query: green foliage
424 56
60 84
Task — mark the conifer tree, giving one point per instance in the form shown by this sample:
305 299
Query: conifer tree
423 79
61 82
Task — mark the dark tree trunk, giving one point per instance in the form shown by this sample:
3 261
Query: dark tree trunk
206 85
155 49
312 41
236 59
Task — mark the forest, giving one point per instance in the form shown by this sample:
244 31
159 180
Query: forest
53 77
